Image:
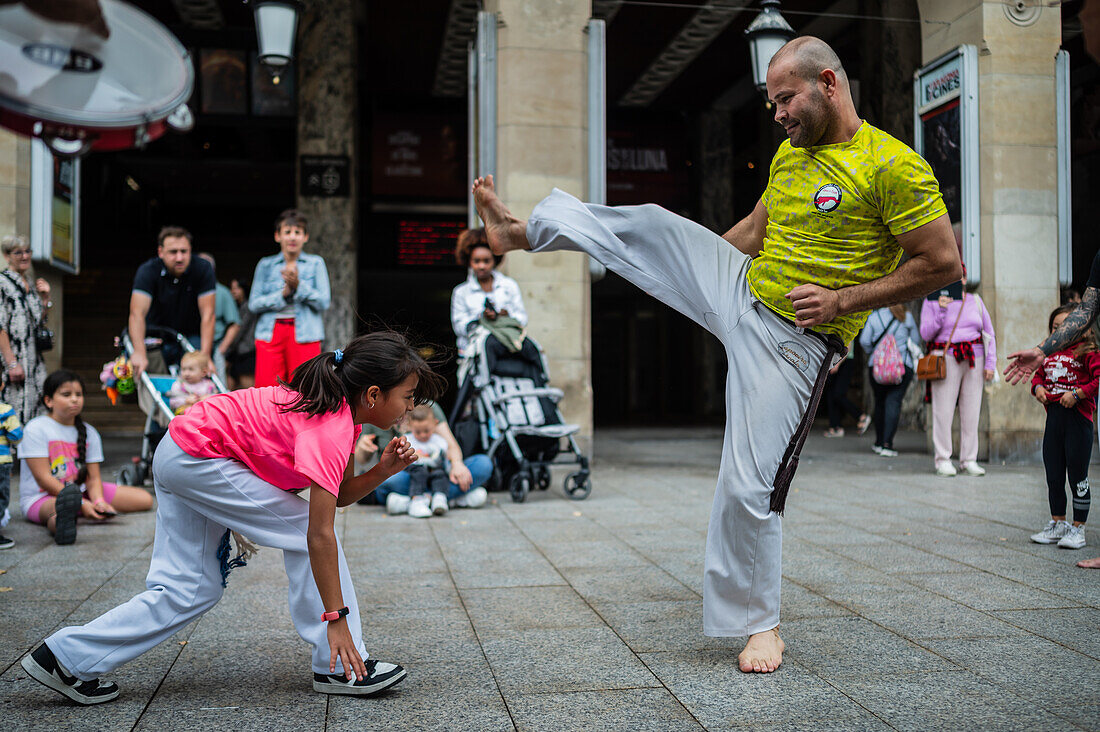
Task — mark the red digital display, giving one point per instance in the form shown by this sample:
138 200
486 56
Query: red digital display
429 243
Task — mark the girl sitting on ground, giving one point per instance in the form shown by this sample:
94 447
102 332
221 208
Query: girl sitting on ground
59 479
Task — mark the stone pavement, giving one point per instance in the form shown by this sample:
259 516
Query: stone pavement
909 602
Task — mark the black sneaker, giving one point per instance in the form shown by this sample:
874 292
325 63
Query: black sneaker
379 676
43 667
6 543
67 508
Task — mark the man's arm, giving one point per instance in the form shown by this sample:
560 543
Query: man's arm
933 262
206 325
1024 363
139 308
230 334
748 234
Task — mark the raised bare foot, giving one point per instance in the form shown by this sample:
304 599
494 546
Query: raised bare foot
504 231
763 653
1093 563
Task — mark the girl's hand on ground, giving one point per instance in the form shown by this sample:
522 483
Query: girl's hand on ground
87 509
343 647
105 509
397 456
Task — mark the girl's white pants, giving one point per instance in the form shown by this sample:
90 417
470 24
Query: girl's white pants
771 370
197 500
962 386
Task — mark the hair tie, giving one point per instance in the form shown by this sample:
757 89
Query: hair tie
338 356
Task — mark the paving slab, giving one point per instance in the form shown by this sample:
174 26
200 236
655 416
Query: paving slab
625 710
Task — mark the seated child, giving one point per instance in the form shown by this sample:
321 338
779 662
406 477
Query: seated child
428 474
193 385
59 479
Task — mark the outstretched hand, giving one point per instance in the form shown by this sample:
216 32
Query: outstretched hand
397 456
813 305
1023 364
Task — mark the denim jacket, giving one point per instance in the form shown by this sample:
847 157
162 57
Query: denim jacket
311 299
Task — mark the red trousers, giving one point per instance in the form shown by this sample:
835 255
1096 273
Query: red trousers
277 358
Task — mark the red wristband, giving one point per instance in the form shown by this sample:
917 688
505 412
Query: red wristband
334 615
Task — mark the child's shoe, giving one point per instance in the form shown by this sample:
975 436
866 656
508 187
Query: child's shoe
1074 538
6 543
44 668
67 509
439 504
1052 534
420 506
473 498
397 504
379 676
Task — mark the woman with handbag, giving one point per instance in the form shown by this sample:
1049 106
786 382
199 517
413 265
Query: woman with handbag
957 329
23 332
897 322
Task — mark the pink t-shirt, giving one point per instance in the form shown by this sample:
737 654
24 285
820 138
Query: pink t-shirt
287 449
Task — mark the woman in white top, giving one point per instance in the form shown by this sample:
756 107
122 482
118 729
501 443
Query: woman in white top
485 293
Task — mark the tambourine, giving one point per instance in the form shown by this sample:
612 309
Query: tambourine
108 77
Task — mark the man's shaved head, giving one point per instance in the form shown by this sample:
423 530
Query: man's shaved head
809 56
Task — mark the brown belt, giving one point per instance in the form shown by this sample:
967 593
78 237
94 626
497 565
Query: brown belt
783 476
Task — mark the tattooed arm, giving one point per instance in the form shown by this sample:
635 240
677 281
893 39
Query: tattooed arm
1024 363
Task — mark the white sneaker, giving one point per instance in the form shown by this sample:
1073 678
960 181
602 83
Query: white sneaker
1074 538
397 504
473 498
887 452
439 503
420 506
972 468
946 470
1053 533
876 449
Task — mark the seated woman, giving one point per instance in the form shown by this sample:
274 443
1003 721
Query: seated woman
467 475
486 293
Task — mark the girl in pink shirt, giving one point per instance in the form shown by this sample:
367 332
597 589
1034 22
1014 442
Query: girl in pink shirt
236 462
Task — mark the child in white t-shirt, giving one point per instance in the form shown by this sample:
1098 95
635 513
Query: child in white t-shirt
59 476
428 481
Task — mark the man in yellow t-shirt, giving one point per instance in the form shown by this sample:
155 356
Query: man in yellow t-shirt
818 252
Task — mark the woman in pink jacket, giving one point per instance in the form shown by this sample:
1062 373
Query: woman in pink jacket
956 326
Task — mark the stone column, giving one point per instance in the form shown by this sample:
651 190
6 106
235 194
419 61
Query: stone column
541 143
1019 194
327 102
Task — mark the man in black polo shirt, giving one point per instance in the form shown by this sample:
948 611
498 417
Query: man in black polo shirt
173 290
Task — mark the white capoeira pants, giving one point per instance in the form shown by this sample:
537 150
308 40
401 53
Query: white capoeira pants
772 369
197 500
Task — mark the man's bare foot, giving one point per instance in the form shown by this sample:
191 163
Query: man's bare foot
1093 563
504 231
763 653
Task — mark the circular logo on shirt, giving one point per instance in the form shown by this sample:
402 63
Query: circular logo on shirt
827 197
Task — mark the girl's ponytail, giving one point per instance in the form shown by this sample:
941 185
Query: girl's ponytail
81 450
383 359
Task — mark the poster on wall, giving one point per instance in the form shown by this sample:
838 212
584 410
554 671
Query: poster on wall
418 156
55 209
946 135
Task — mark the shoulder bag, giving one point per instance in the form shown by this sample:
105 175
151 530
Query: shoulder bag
933 366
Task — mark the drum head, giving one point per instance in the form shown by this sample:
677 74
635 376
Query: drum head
68 77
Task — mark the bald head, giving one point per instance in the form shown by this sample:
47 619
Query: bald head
808 56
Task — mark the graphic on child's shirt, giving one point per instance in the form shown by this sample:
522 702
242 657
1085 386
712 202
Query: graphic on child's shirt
64 460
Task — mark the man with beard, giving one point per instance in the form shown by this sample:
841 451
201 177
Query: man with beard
820 250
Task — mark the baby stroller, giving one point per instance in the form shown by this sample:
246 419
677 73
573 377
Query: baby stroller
506 410
152 391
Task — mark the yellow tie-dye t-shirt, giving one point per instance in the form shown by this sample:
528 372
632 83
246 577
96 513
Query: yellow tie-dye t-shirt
833 214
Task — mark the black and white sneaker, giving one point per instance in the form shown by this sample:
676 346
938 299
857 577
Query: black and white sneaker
43 667
379 676
6 543
67 509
